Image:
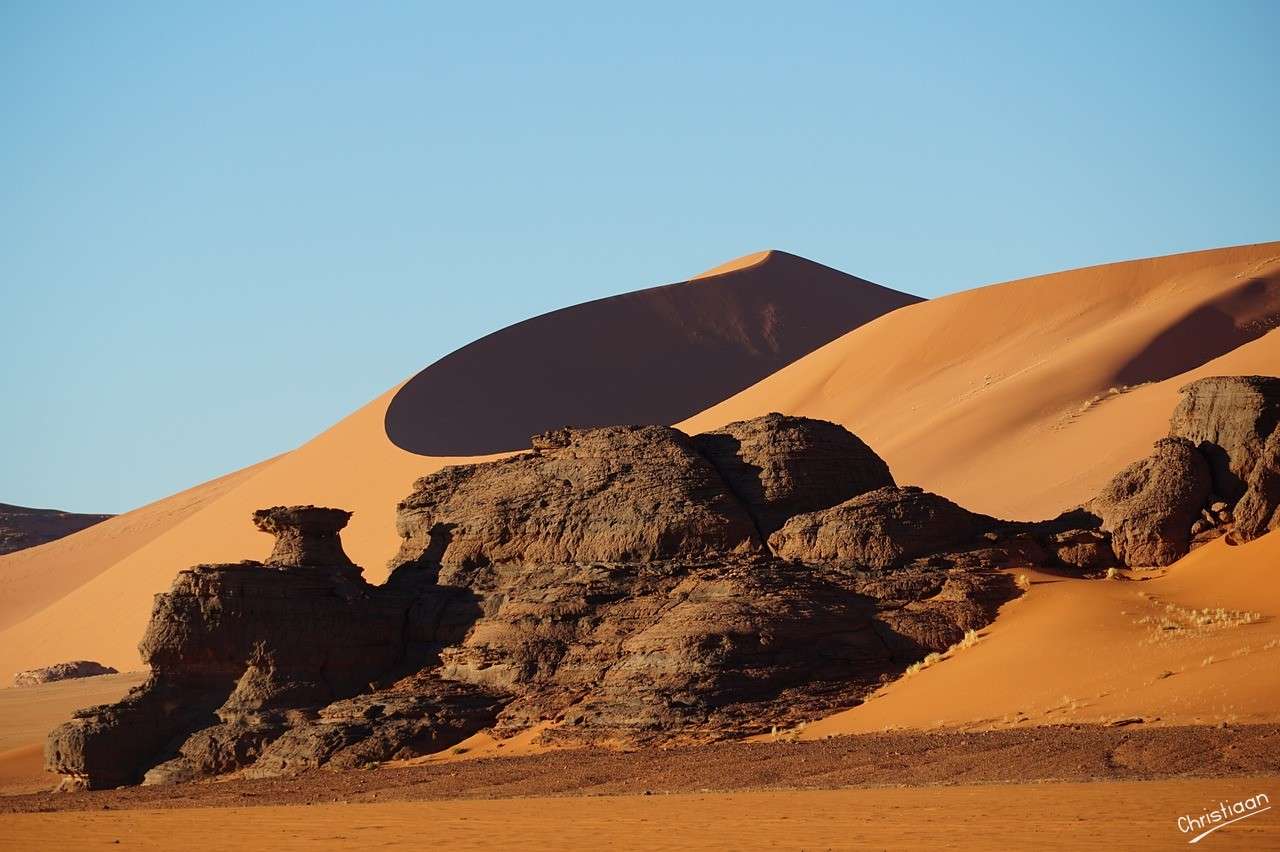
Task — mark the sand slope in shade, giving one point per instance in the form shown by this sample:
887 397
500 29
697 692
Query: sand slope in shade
1101 650
996 397
1000 397
1116 814
652 356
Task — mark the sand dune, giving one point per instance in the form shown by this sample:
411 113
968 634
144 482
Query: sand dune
28 713
745 324
652 356
1001 397
997 397
1099 651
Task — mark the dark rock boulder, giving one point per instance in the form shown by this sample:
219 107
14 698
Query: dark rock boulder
782 466
230 644
61 671
611 494
1149 507
880 529
1258 511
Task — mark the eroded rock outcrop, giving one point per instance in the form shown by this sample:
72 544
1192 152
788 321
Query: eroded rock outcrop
612 494
61 671
624 584
879 529
781 466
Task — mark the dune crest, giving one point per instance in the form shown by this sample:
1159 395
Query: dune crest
648 357
999 397
1022 399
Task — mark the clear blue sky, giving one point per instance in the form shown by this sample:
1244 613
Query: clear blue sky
224 226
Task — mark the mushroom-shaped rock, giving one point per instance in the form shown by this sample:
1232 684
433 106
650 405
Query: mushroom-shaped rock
305 535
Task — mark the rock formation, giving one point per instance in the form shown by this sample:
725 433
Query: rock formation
241 653
626 584
879 529
1235 422
1149 507
781 466
61 671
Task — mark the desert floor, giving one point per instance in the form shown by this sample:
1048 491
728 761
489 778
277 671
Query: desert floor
1051 787
1115 815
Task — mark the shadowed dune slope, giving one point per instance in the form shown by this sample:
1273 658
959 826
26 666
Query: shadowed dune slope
1022 399
652 356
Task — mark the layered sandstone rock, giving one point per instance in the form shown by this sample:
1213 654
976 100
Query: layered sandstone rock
240 653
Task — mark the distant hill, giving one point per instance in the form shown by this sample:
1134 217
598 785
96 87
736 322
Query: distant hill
21 527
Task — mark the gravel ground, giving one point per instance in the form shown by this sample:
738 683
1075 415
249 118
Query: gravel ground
1066 753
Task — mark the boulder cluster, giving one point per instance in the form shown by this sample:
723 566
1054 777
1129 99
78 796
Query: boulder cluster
632 585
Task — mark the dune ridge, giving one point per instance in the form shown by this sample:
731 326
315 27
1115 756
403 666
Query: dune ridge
1021 399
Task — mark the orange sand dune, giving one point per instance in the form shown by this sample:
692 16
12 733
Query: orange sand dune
1102 650
1001 397
745 323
